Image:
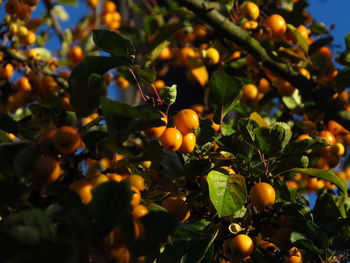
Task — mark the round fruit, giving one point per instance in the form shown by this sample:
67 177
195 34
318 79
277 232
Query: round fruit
12 7
120 254
262 195
109 7
242 245
293 256
284 88
137 181
23 84
76 54
156 132
83 189
250 91
67 140
139 211
337 149
186 121
122 82
7 71
188 143
177 207
277 24
46 137
99 179
212 56
328 136
46 170
135 197
171 139
250 10
264 85
165 54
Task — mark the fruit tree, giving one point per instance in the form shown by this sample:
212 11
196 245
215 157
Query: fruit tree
172 131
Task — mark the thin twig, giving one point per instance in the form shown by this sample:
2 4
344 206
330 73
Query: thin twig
138 85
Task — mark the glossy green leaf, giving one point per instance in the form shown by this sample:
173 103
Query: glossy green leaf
325 175
86 93
300 39
225 90
228 193
111 201
114 43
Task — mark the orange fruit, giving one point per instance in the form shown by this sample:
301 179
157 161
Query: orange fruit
277 24
83 189
325 52
7 71
156 132
109 7
171 139
122 82
166 54
139 211
328 136
135 197
46 136
212 56
250 91
337 149
263 86
177 207
76 54
262 195
242 245
292 184
46 170
293 256
137 181
23 84
188 143
250 10
314 184
303 31
120 254
98 179
186 120
284 88
67 140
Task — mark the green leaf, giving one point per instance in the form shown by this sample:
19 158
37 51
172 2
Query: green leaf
316 45
322 174
168 94
170 166
97 64
44 53
114 43
63 194
347 41
110 203
273 140
144 75
86 93
225 90
300 39
157 50
7 123
25 160
245 128
28 227
228 193
293 102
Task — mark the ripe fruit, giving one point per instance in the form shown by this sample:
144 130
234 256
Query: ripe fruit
98 179
23 84
328 136
135 197
156 132
83 189
188 143
293 256
109 7
186 121
122 82
212 56
67 140
250 10
242 245
46 170
177 207
284 88
250 91
277 24
166 54
120 254
7 71
262 195
46 137
264 85
171 139
337 149
137 181
76 54
139 211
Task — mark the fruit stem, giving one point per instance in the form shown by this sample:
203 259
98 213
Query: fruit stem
138 85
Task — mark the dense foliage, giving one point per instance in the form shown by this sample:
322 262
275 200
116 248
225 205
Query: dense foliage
231 114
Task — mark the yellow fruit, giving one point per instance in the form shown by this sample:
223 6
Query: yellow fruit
212 56
293 256
177 207
242 245
250 10
250 91
171 139
186 121
262 195
188 143
137 181
277 24
83 189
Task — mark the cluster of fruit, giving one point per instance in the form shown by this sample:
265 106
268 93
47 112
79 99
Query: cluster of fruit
325 158
181 138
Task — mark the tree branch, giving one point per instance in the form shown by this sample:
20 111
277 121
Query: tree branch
308 88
